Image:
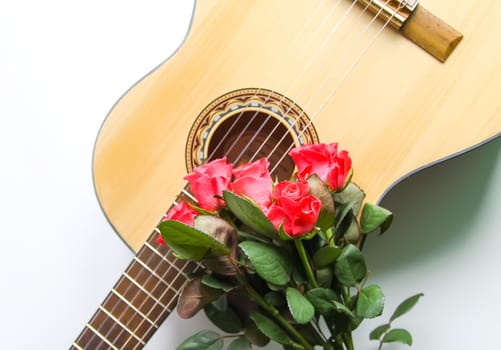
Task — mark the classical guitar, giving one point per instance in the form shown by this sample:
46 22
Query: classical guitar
256 77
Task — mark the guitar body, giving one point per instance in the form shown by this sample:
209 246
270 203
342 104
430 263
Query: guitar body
393 106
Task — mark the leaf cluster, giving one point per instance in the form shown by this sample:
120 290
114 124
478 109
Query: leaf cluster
259 286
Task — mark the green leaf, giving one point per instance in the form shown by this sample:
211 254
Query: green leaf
318 189
350 268
352 233
324 277
373 217
270 263
203 340
326 256
341 308
270 328
275 298
223 317
351 194
241 343
370 302
188 242
215 283
255 336
249 213
323 299
405 306
378 332
398 335
299 306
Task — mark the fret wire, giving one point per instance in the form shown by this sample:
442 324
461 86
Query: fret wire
170 288
133 307
189 195
106 321
165 259
166 309
173 300
94 333
103 338
77 346
109 314
144 290
168 285
177 291
123 311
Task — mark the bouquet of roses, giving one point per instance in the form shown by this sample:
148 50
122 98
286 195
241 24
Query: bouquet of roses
280 260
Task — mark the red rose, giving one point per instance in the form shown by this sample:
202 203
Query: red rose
208 181
181 212
254 181
339 173
294 208
331 166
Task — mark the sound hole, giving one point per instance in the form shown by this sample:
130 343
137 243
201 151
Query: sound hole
250 135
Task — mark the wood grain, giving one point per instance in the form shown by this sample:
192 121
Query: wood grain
397 111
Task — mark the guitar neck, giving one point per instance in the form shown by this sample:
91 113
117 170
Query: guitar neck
136 306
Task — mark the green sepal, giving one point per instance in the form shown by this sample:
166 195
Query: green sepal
318 189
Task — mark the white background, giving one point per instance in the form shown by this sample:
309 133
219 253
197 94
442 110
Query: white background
62 66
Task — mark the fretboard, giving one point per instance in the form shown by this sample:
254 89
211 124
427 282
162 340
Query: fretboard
143 297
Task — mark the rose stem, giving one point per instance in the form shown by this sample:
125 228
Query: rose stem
306 263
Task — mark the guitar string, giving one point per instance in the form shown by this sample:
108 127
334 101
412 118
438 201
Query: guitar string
156 285
355 63
341 82
312 15
325 40
249 122
302 113
298 77
294 82
158 282
288 110
150 296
